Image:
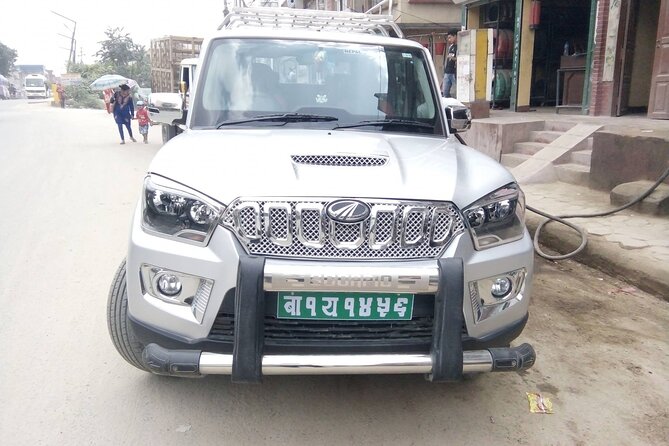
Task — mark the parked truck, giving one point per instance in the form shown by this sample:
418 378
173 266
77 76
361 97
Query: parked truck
319 215
173 62
166 55
175 104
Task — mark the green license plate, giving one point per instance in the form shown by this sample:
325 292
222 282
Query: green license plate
344 306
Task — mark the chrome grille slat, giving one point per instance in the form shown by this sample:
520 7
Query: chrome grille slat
401 229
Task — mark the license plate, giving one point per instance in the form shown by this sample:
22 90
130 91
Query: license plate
344 306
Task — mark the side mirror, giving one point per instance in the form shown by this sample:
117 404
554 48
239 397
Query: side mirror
458 115
165 108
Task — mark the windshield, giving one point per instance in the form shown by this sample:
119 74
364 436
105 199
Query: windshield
34 83
353 83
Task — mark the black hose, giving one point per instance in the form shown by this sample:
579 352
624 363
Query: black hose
582 232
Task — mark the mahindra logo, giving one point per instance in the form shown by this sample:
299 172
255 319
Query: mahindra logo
348 211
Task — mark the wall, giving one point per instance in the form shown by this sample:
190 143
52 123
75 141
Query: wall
428 12
495 137
602 92
526 56
626 154
644 53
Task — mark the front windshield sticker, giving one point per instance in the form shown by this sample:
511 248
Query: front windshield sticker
407 55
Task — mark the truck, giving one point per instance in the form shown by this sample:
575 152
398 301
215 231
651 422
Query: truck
175 104
36 86
166 54
320 214
173 61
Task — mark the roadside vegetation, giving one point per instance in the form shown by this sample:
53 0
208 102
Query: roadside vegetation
7 59
118 54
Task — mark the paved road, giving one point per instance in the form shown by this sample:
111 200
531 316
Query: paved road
68 191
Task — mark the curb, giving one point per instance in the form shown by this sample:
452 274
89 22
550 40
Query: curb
609 257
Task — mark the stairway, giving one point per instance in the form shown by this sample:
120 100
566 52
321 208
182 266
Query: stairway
561 151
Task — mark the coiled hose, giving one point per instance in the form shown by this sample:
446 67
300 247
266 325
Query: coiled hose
582 232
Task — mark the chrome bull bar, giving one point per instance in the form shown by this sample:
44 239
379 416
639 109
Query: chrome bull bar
219 364
195 363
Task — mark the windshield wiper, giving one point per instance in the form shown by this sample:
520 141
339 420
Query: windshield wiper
281 117
399 122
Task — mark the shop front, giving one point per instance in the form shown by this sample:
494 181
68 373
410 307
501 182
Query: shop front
597 57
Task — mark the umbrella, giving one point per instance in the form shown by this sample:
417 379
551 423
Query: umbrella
111 81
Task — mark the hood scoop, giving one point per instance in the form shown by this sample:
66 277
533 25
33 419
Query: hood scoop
341 160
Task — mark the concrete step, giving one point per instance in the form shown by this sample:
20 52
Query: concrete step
586 144
558 126
528 148
656 203
582 157
573 173
514 159
545 136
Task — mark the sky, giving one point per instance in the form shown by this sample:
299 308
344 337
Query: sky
29 26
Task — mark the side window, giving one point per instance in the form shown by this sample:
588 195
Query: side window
185 77
408 87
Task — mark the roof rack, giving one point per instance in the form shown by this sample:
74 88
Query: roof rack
272 17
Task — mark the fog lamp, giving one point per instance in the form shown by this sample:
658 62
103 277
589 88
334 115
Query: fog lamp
501 287
169 284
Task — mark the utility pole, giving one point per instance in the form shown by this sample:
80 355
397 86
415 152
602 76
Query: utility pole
72 59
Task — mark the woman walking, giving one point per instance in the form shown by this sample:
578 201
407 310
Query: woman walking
124 110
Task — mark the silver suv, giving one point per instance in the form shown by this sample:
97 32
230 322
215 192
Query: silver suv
318 216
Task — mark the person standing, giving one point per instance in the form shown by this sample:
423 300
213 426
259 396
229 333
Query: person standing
61 95
450 67
124 110
108 94
143 120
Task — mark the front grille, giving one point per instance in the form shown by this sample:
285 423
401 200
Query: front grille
301 228
347 335
280 331
417 330
340 160
223 328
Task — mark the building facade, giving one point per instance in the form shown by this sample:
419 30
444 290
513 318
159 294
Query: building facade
597 57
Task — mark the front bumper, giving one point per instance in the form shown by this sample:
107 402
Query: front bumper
446 360
195 363
455 344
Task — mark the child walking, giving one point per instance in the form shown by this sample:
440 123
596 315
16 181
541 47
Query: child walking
143 120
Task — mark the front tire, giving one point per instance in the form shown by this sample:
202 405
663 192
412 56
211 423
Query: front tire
117 321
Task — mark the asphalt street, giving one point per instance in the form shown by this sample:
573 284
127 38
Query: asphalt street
68 193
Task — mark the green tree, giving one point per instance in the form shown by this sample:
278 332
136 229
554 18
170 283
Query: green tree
90 72
125 57
7 58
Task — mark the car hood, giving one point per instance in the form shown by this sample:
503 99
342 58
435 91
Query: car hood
230 163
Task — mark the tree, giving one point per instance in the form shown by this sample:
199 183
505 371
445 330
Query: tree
7 58
125 57
90 72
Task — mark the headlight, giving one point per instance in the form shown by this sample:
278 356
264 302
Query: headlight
497 218
168 209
